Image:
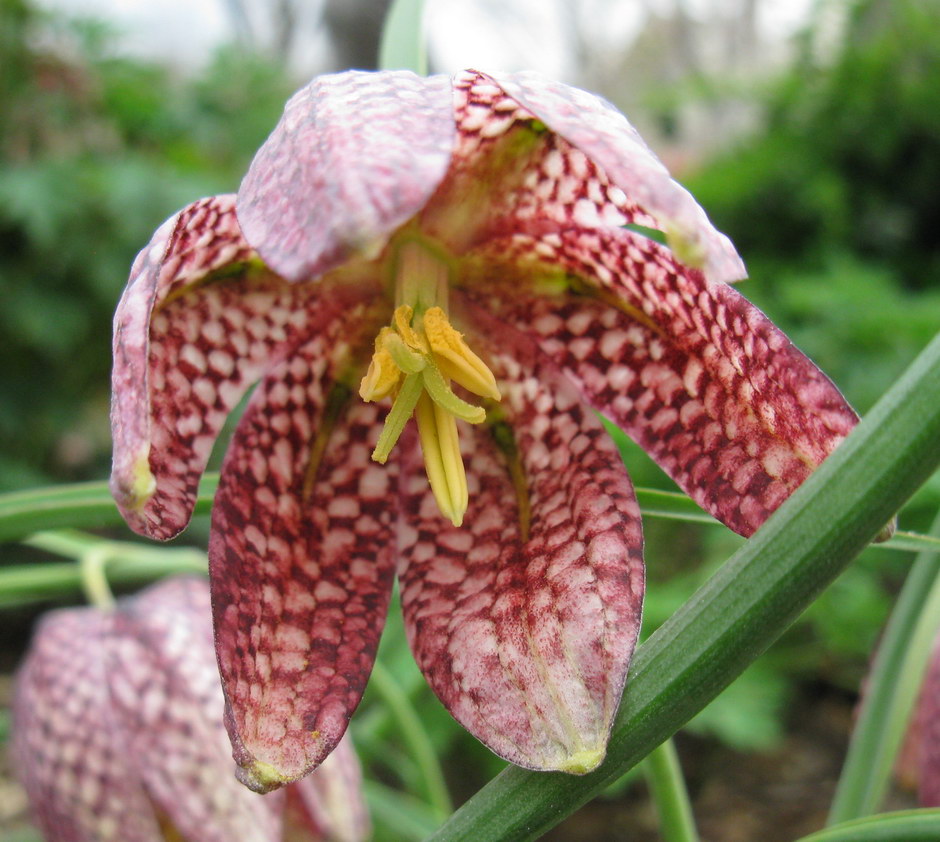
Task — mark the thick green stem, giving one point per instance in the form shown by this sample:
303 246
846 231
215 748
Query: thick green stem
894 682
743 608
667 786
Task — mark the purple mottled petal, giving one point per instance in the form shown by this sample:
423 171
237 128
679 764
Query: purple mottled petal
165 688
187 350
697 375
300 577
329 802
593 126
70 754
506 173
526 638
927 729
354 157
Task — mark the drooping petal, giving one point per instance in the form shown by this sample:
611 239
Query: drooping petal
165 689
545 157
524 620
354 157
329 801
70 754
199 322
596 128
301 560
508 169
697 375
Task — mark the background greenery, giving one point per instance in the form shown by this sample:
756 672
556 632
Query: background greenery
832 200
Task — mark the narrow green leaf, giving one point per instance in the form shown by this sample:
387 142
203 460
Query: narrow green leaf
419 744
85 505
903 826
401 813
743 608
403 44
22 584
896 675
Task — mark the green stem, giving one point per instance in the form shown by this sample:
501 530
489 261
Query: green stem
127 564
86 505
667 786
402 46
743 608
89 505
902 826
404 816
93 565
416 737
895 679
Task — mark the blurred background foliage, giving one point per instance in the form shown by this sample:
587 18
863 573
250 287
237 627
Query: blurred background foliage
831 194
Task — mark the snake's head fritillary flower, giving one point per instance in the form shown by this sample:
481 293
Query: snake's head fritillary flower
467 252
118 735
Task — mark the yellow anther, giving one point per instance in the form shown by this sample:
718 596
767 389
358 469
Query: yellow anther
414 362
454 357
383 375
437 431
402 318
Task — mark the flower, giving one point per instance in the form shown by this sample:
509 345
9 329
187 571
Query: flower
118 735
384 210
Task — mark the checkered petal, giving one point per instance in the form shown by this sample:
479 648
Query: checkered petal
69 751
524 631
301 560
697 375
595 128
355 156
165 689
199 322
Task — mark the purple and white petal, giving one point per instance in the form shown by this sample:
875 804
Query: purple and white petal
70 753
186 350
524 625
354 156
595 127
165 689
692 371
301 560
328 802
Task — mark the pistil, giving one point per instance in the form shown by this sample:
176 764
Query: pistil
415 359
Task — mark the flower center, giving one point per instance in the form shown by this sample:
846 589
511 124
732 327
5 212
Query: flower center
416 357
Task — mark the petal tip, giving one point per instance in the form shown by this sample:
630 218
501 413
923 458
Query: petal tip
133 488
583 761
261 777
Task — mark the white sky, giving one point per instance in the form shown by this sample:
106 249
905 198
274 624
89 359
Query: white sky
528 34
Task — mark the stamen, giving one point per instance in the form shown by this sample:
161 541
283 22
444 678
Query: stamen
437 431
415 360
455 358
406 359
402 318
398 416
442 395
383 374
